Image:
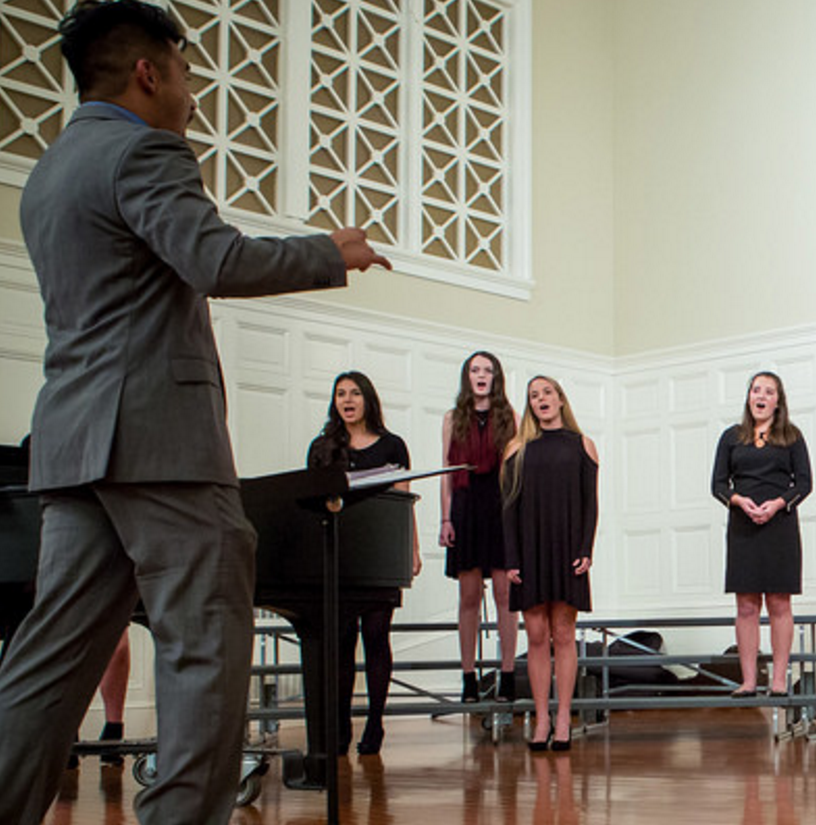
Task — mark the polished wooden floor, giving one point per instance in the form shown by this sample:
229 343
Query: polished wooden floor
704 767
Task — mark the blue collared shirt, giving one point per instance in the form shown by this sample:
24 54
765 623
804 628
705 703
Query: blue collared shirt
121 109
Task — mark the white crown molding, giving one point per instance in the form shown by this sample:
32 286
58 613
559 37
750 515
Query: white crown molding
737 346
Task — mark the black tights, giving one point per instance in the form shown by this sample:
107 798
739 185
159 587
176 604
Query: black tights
376 626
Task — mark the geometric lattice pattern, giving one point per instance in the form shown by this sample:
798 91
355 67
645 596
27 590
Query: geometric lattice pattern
354 152
463 124
233 47
407 112
36 95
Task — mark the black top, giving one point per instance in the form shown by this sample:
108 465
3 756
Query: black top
762 558
552 521
760 473
387 449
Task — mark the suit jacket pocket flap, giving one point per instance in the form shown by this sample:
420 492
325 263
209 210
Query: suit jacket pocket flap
195 371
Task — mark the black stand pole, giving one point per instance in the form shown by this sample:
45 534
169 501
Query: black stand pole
331 545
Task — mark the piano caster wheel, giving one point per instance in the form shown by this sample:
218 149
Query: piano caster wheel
253 767
144 769
248 791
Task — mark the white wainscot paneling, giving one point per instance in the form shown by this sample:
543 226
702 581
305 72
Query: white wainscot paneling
587 398
641 557
398 419
732 383
262 431
798 374
690 464
264 349
312 411
389 368
324 356
426 444
805 419
439 370
641 471
689 392
24 375
807 525
694 566
639 398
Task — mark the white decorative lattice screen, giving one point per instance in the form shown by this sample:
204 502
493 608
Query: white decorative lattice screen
393 115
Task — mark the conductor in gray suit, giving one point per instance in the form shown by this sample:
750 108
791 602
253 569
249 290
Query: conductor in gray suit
130 450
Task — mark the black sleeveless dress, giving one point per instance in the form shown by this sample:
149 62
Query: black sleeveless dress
552 521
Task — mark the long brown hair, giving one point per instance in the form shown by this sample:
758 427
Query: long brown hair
332 445
530 430
502 420
782 432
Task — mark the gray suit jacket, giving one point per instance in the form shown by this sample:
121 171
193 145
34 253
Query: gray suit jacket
127 247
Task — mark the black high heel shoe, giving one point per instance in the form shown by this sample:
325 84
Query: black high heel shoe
371 742
540 747
561 745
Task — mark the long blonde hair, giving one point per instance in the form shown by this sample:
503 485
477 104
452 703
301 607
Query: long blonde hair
530 430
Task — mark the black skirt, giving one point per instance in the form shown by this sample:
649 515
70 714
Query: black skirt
763 558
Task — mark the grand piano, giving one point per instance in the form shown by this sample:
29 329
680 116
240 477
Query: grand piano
373 548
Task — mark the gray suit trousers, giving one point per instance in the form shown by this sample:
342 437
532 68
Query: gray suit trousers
188 552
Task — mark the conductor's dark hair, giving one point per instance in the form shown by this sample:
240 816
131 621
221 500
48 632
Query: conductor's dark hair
103 39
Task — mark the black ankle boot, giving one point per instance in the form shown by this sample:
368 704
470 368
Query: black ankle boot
470 688
507 687
112 732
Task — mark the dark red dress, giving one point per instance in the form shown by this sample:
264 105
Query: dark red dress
476 507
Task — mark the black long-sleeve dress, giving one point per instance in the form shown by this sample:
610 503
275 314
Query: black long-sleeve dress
762 558
552 521
370 612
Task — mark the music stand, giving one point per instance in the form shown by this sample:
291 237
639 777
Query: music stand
326 491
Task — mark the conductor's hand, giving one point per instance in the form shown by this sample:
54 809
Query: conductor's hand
582 565
355 249
514 576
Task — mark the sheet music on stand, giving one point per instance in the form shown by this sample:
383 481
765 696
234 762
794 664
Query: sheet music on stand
394 474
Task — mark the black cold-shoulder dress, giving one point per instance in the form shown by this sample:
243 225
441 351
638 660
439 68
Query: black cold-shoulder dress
552 521
762 558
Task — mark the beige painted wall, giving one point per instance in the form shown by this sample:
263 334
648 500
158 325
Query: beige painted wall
9 207
715 169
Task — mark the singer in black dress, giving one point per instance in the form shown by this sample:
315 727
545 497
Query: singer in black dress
475 433
762 473
550 479
354 438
